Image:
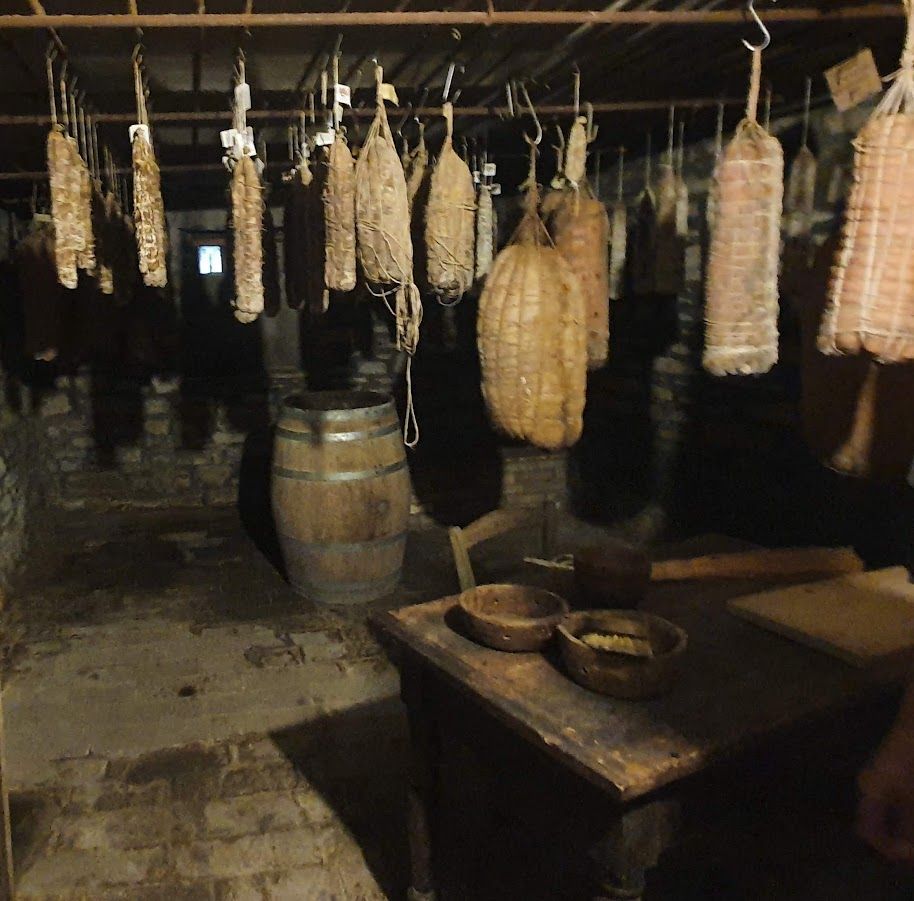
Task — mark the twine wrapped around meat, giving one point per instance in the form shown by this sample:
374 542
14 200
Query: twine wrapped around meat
579 227
385 248
871 295
339 217
485 232
741 336
450 233
532 337
247 220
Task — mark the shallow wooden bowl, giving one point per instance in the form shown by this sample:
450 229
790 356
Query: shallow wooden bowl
620 675
512 617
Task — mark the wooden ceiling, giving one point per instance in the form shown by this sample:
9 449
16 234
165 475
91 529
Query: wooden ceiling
659 63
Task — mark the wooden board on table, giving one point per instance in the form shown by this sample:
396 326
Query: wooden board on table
861 618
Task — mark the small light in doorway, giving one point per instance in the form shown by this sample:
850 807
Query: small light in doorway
209 259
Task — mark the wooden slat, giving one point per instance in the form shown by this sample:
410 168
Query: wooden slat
446 19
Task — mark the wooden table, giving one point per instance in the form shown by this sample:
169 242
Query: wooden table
742 689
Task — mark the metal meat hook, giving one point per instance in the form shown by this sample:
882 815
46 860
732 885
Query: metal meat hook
766 34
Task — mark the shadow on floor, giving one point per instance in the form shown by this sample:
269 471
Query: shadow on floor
356 760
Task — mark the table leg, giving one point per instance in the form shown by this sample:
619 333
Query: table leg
6 845
632 847
422 785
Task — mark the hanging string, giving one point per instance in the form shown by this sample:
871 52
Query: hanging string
767 122
719 134
806 105
671 128
621 182
680 153
755 84
647 164
51 94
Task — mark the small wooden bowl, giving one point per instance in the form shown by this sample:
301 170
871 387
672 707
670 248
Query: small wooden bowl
620 675
512 617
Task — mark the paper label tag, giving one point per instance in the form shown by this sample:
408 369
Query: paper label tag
243 96
476 178
489 170
342 95
138 129
227 137
854 80
324 138
495 190
389 93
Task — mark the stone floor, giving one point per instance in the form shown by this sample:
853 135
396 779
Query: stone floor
181 726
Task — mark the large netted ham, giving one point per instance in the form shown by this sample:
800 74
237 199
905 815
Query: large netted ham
385 247
450 217
741 336
533 338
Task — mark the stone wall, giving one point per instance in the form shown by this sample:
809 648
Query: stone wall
21 489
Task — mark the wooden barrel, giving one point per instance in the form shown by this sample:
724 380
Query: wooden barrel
340 494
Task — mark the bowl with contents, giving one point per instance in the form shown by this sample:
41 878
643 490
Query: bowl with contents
512 617
621 653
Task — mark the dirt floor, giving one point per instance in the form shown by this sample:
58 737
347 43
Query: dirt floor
181 725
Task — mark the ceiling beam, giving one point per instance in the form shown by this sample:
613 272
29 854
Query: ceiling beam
473 112
449 19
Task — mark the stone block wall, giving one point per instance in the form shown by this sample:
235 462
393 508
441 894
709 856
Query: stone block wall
21 490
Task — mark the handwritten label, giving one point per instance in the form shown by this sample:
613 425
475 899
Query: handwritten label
854 80
227 137
495 190
324 138
489 170
342 95
389 93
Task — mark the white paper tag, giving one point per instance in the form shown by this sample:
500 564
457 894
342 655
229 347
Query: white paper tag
138 129
389 93
853 81
324 138
227 137
489 170
476 178
342 95
259 166
243 96
495 190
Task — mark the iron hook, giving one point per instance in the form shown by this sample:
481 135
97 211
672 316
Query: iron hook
766 34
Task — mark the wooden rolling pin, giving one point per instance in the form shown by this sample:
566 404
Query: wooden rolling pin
774 563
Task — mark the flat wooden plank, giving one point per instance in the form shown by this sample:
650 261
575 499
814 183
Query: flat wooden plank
740 685
862 618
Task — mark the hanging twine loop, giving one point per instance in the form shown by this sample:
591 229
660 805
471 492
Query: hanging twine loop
755 86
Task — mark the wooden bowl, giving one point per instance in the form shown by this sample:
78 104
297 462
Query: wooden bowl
620 675
613 574
512 617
